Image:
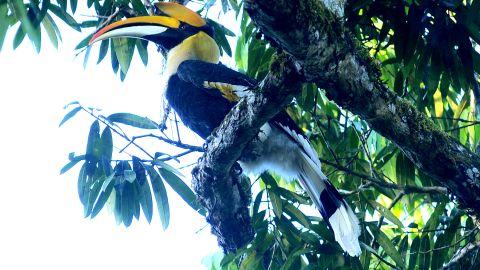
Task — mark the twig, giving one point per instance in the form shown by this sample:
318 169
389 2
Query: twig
177 156
465 126
407 189
171 142
117 132
455 119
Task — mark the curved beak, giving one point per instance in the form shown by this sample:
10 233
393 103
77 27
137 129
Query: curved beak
136 27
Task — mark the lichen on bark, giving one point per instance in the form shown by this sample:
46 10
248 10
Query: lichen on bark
217 178
329 56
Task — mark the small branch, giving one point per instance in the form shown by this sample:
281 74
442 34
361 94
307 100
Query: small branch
463 256
175 157
123 135
465 126
172 142
407 189
455 119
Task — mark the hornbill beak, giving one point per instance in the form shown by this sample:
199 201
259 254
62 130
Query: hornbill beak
165 30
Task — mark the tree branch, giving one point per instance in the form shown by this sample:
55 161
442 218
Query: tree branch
463 257
329 56
217 179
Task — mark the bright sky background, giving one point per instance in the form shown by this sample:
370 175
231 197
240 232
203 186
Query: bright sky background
42 218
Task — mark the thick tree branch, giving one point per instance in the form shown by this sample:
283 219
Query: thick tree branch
330 57
217 178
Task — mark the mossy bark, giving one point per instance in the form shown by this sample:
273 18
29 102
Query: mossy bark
328 55
217 178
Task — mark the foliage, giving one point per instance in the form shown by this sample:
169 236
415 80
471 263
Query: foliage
428 53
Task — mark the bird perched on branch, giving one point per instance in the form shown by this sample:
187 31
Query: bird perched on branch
202 91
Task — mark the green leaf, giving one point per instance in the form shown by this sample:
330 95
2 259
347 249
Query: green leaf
256 203
294 256
105 191
103 50
322 230
93 139
64 16
439 252
113 59
293 197
276 203
403 246
405 170
414 249
50 29
72 163
73 5
4 25
124 48
82 184
69 115
132 120
19 10
297 215
160 194
94 192
106 144
251 261
83 43
18 38
386 213
127 204
387 246
142 50
62 4
425 252
139 7
146 201
182 189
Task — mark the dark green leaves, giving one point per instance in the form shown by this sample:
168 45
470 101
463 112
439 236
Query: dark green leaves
4 25
181 188
276 203
405 170
160 196
124 48
414 251
387 246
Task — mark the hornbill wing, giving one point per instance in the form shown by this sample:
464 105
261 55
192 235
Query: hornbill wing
231 84
285 147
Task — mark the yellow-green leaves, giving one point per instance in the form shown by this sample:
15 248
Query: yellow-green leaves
124 48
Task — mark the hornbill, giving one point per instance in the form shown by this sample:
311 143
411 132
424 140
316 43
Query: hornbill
202 91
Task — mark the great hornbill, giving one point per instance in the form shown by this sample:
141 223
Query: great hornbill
202 91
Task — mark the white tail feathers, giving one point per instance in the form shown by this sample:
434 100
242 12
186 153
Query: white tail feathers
346 228
331 205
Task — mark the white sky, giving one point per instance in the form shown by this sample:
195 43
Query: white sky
42 218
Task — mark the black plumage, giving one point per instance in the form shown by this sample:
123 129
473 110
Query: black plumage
201 109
